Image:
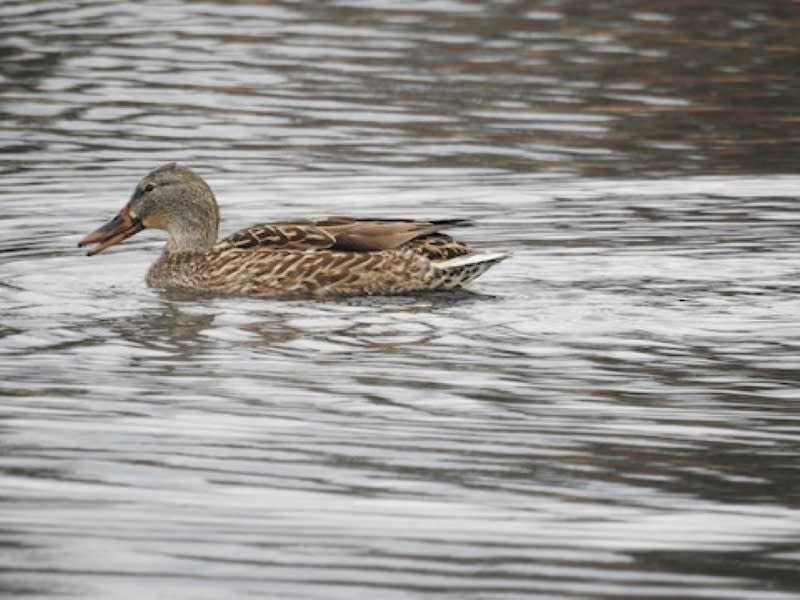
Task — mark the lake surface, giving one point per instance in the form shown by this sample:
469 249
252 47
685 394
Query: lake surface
612 413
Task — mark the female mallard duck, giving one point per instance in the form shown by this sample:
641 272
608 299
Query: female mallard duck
332 256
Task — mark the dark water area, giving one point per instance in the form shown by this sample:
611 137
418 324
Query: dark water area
611 413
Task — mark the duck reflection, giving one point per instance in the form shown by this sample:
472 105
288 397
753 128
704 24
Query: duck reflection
170 327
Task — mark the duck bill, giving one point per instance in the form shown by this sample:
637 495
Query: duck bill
117 229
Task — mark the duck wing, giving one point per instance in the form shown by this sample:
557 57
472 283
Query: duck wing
364 235
337 233
283 236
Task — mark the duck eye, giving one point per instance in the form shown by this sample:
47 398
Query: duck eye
149 187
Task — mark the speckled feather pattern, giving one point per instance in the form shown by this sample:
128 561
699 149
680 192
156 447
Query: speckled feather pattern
294 273
306 258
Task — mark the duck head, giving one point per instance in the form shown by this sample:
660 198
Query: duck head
172 198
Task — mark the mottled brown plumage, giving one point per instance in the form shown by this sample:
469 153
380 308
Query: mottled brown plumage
317 258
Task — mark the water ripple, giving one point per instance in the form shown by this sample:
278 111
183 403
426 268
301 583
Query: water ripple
611 412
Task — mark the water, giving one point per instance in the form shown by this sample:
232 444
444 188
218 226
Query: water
613 413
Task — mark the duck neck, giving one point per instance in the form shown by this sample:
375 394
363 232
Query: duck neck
190 241
192 231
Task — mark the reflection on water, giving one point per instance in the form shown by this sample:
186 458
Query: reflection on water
568 87
611 413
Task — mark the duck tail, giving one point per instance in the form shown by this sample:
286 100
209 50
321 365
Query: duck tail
461 270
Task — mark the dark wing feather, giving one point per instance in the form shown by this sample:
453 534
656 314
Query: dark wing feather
285 236
336 233
380 234
439 246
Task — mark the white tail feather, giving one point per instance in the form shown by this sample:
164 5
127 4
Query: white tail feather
461 270
470 259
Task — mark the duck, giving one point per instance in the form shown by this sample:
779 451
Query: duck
315 258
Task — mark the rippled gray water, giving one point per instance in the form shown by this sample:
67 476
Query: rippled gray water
612 413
